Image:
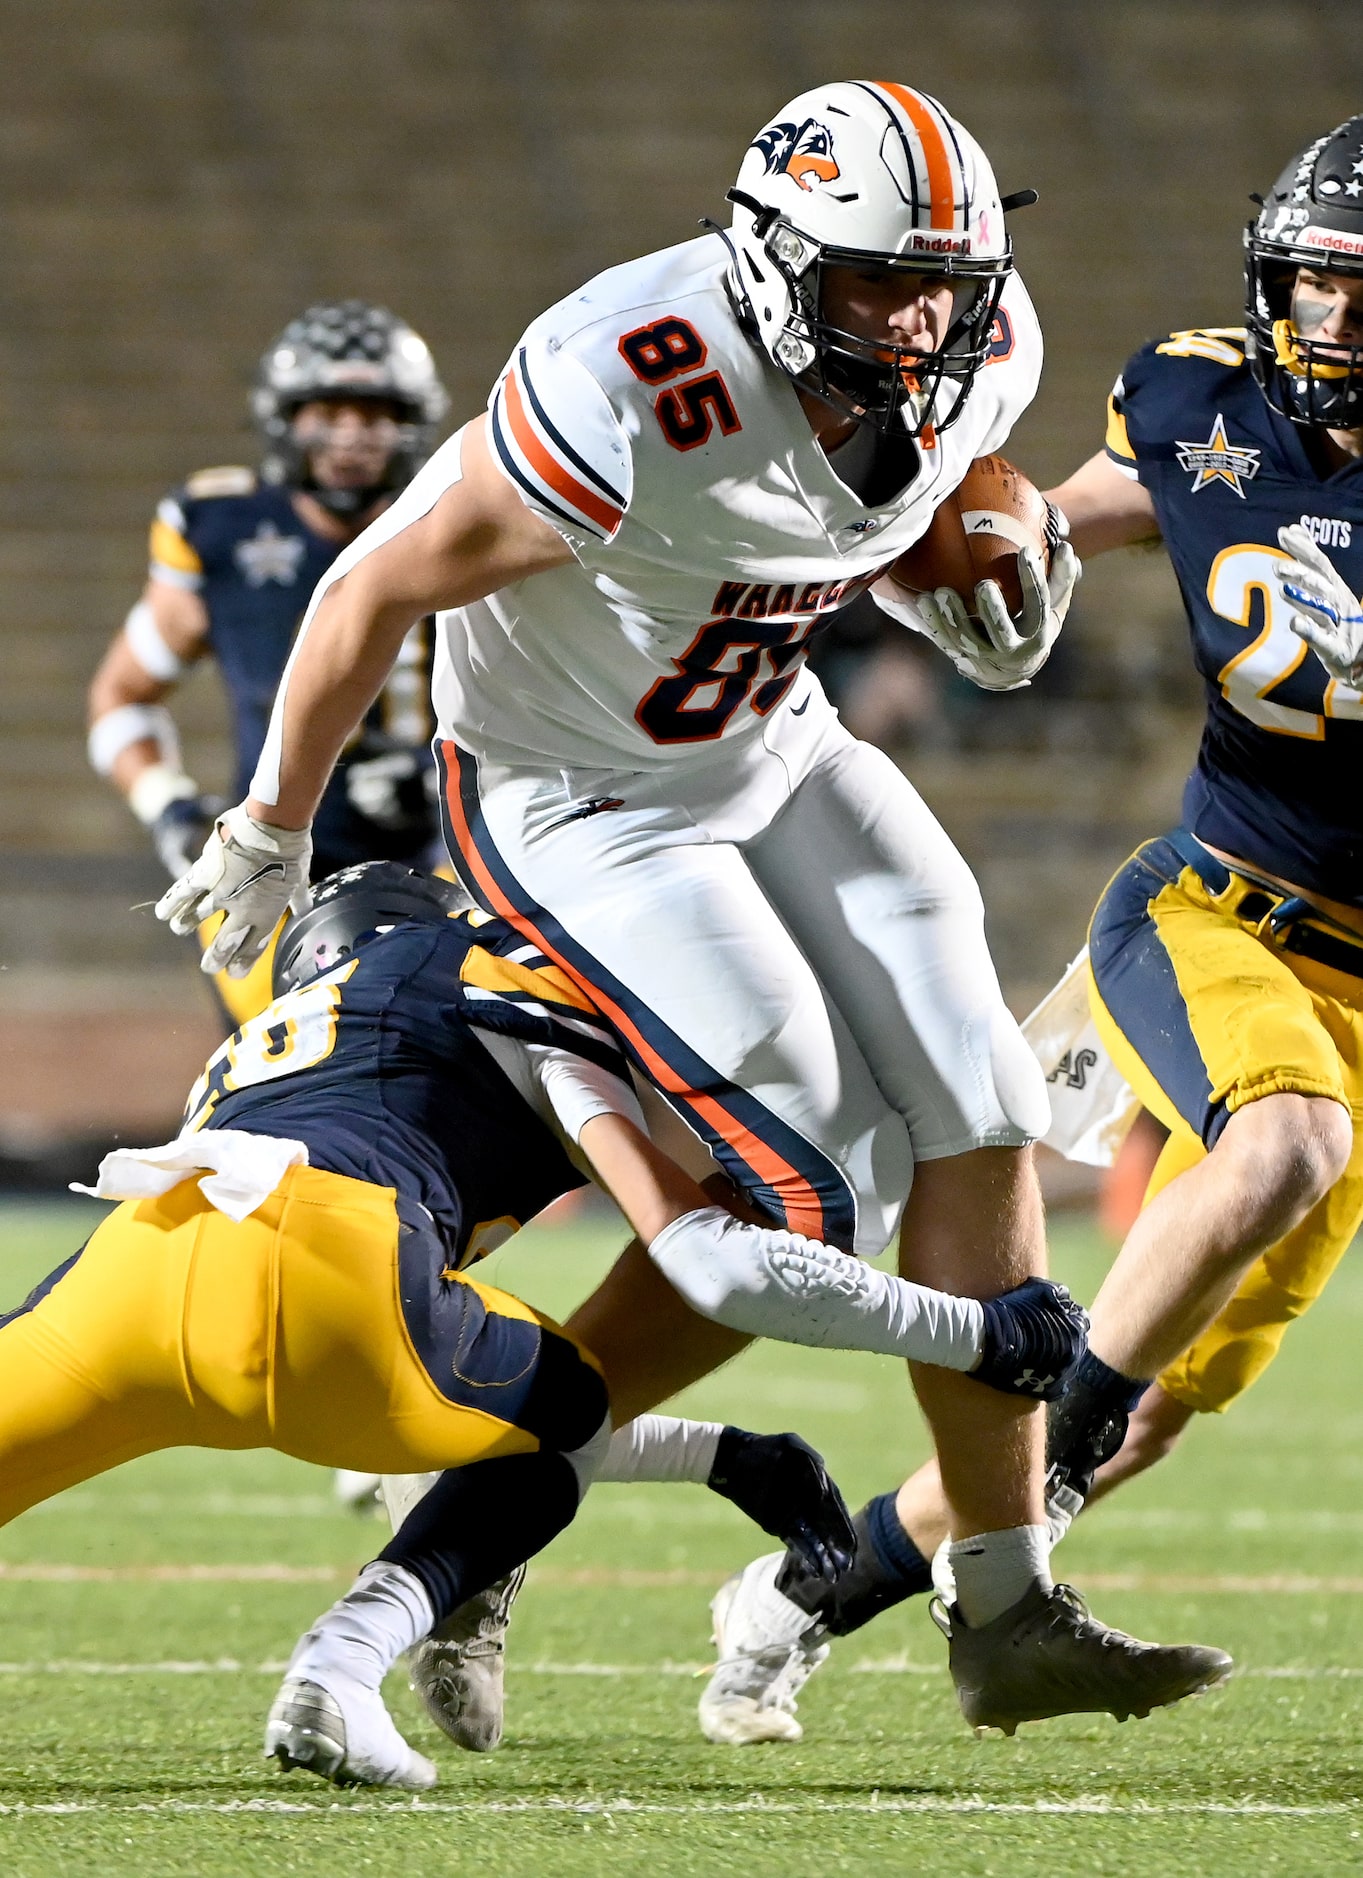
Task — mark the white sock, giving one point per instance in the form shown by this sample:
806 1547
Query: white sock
364 1633
994 1569
661 1447
401 1493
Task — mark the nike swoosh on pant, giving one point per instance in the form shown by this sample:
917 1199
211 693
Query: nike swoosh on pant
798 710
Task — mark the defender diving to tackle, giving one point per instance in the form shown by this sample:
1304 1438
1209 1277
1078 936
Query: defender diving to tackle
419 1088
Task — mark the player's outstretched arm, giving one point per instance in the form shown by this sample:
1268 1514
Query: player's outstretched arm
475 537
767 1282
1105 508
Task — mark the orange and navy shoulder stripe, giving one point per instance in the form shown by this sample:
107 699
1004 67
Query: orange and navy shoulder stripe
538 457
938 180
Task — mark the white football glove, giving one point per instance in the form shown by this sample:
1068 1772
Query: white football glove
249 871
997 652
1325 613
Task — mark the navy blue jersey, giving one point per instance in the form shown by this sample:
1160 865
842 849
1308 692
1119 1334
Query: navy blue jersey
1277 776
241 545
376 1067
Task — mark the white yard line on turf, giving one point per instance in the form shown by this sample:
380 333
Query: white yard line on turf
866 1666
1087 1804
1292 1584
55 1574
79 1502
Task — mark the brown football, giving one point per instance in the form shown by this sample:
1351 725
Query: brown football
976 533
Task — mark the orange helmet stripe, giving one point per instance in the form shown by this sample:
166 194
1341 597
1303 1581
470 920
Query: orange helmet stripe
941 183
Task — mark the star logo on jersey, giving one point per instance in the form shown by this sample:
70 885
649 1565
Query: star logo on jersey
804 152
268 555
1218 460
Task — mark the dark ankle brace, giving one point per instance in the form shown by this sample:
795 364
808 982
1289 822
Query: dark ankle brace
1088 1424
887 1569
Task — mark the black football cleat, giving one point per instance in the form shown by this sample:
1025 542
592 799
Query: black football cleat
1045 1656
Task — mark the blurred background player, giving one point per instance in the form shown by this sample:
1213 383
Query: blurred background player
1227 956
348 402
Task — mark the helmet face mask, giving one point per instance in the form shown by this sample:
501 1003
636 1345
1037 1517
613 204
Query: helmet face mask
896 387
876 176
346 352
1312 220
352 907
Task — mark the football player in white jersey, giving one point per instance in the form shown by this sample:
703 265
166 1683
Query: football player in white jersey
682 469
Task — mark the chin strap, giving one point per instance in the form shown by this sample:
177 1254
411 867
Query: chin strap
345 504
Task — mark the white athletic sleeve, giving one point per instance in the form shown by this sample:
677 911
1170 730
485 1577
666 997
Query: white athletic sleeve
662 1447
564 1089
442 472
577 1090
556 438
779 1284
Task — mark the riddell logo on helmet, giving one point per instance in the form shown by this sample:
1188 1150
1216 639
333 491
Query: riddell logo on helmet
804 152
940 244
1329 238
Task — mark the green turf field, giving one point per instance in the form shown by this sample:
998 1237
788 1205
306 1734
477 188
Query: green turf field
146 1617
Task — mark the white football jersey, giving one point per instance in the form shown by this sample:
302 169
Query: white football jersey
711 532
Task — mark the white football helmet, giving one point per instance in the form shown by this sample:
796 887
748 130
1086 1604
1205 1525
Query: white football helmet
859 173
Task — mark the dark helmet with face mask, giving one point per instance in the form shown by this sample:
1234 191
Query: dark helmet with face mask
351 350
1312 217
352 907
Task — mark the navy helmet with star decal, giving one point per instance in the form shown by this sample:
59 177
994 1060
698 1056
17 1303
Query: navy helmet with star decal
1312 217
347 349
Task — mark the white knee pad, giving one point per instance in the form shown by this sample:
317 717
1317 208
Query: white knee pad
585 1460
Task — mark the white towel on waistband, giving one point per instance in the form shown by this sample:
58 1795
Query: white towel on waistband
1092 1104
241 1170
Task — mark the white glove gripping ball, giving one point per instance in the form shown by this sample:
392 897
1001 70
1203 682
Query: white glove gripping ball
248 871
998 652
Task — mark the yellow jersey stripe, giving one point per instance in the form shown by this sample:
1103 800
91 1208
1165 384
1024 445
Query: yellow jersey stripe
549 982
1117 440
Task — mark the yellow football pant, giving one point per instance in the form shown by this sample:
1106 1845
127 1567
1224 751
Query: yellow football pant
1238 1347
1201 1013
177 1326
244 998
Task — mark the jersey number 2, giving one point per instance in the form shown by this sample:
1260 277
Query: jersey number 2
1247 680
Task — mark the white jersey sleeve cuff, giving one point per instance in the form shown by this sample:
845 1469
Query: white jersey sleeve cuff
564 1089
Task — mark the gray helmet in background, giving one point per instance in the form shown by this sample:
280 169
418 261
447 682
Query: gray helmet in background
347 349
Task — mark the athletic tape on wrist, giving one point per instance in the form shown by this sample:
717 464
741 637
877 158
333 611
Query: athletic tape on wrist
148 647
128 724
155 788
